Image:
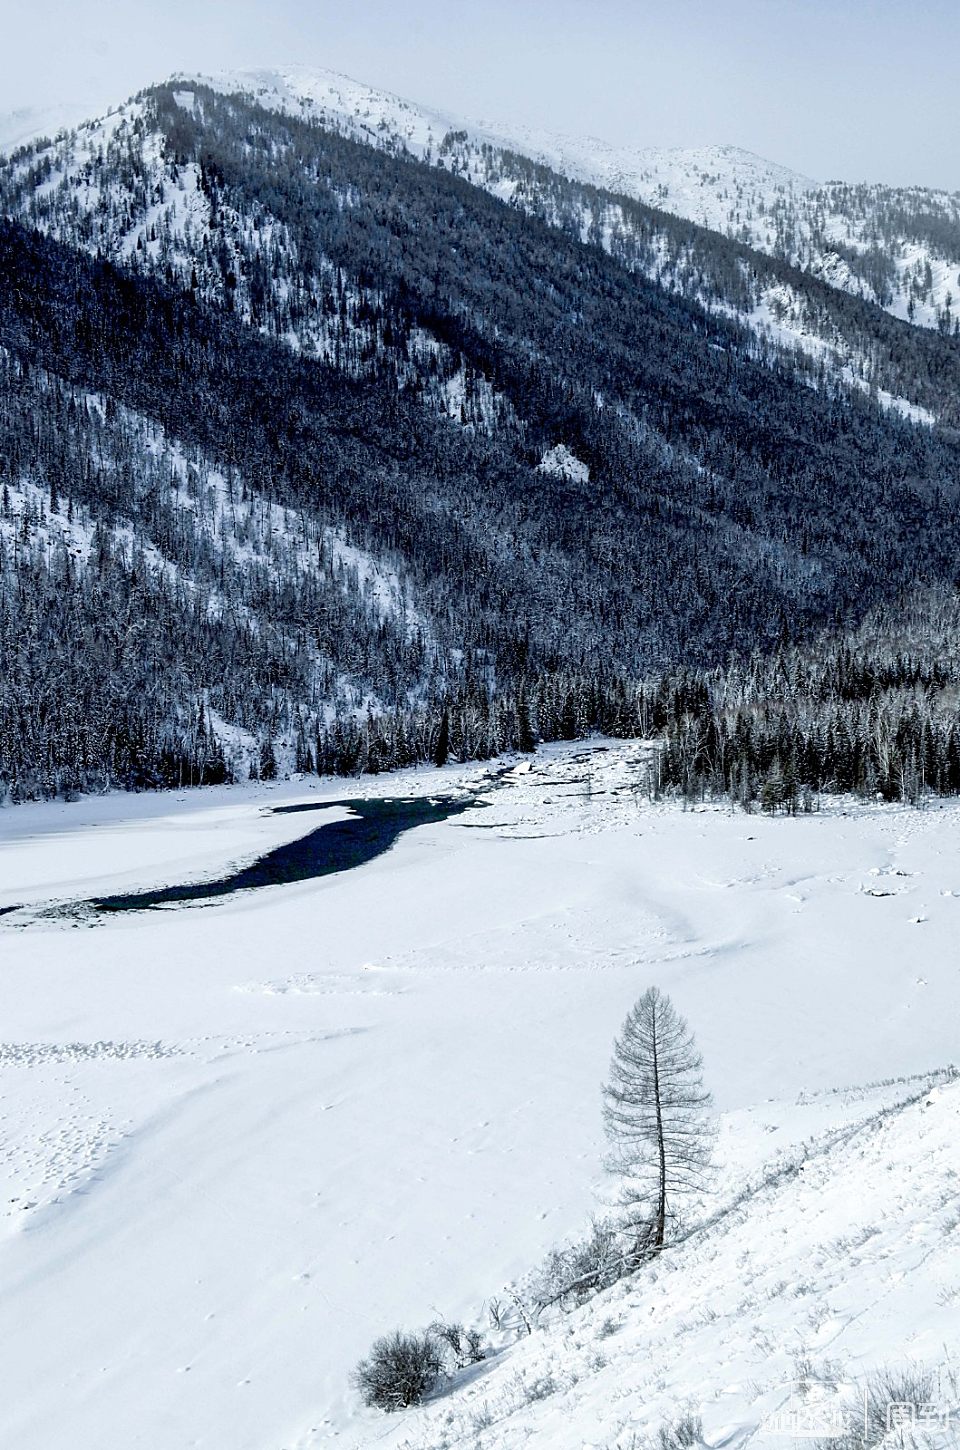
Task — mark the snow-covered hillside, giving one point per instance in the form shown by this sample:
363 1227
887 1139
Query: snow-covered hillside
335 100
241 1141
700 181
113 185
110 185
899 247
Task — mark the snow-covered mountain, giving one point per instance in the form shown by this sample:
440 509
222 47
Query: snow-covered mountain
111 187
565 423
897 246
696 178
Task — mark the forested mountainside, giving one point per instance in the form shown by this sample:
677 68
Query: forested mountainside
130 187
307 442
896 246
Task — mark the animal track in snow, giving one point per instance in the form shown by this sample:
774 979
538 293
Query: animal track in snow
60 1160
33 1054
334 984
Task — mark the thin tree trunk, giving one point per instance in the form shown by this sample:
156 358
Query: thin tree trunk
661 1218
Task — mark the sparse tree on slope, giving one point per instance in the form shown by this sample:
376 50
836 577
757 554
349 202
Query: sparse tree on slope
656 1115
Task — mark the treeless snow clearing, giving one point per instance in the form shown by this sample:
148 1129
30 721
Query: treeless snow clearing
239 1140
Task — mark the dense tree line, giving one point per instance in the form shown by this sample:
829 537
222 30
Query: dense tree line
783 503
872 711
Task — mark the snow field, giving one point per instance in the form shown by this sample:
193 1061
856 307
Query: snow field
242 1139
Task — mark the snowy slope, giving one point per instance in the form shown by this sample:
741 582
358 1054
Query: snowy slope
820 227
696 178
240 1141
336 100
899 248
111 187
842 1254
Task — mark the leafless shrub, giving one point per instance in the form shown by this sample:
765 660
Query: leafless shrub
894 1396
682 1434
911 1385
827 1373
569 1276
541 1387
400 1370
460 1346
481 1419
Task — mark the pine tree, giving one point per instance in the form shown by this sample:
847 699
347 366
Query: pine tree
441 752
268 761
526 734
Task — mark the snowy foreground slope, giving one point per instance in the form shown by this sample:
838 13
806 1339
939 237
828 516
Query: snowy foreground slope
239 1141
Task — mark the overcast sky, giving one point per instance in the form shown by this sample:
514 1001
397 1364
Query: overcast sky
855 89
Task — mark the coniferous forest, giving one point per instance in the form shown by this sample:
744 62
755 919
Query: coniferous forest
361 466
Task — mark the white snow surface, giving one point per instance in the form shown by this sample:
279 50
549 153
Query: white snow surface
240 1140
561 462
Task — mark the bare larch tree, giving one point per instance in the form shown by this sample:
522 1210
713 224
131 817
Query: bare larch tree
657 1115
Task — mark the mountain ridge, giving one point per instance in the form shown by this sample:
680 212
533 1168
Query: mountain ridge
62 186
828 228
898 246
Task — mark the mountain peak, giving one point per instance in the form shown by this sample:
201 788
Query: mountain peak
328 95
640 171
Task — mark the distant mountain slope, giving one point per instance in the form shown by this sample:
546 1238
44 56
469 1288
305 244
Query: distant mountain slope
695 178
24 125
562 447
896 246
111 186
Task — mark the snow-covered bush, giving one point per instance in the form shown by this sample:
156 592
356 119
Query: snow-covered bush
894 1406
683 1434
400 1370
459 1346
571 1275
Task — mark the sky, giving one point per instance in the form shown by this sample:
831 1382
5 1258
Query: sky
836 89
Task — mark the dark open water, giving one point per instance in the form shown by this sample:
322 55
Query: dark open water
337 846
